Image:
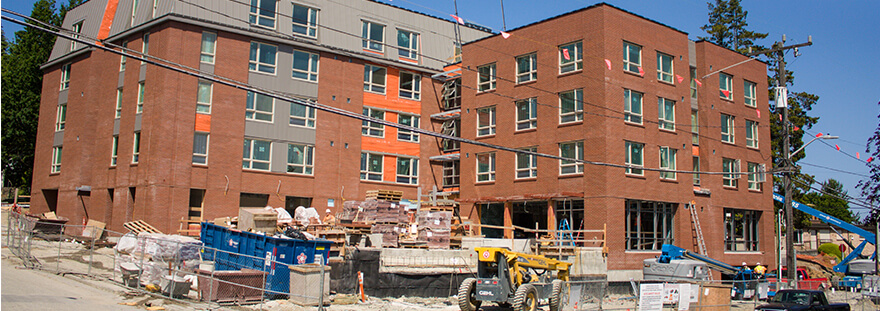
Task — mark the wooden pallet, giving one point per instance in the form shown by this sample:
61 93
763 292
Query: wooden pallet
385 195
413 244
139 226
438 208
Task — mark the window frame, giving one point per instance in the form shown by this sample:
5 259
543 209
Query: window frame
489 83
567 167
751 134
629 64
373 129
630 149
136 148
122 59
145 45
76 29
198 155
369 76
307 165
526 164
730 178
693 73
669 155
65 77
248 162
60 117
524 123
311 23
118 103
206 56
696 168
256 15
57 152
488 129
628 115
204 107
309 117
663 74
367 41
142 90
530 74
753 182
406 135
575 63
368 172
662 219
577 111
251 109
451 174
134 6
114 150
414 92
666 118
256 63
749 239
408 52
410 178
750 95
728 123
312 66
487 175
728 86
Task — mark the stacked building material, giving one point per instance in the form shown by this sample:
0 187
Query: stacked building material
390 233
434 228
358 211
389 212
384 195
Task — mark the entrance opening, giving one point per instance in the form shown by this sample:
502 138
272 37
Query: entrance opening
570 213
531 215
51 196
253 200
492 214
291 203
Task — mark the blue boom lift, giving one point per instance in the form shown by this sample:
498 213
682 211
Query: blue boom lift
678 264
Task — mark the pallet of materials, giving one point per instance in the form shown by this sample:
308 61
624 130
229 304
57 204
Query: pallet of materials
435 238
385 195
358 211
390 212
434 220
390 234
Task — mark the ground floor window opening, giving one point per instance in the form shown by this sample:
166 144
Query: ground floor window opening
532 215
570 216
649 224
492 214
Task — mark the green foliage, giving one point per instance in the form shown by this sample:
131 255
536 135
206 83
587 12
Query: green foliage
831 249
871 186
727 27
830 201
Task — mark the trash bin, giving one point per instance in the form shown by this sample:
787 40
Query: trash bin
305 284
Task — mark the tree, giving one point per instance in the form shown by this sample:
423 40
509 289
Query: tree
727 27
831 199
871 186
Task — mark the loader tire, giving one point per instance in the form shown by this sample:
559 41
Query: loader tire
526 298
467 300
556 296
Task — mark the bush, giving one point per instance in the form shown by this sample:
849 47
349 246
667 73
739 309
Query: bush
831 249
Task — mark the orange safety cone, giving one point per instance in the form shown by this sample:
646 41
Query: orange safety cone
361 285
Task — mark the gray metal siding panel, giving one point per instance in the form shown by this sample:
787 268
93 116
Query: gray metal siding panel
279 131
116 126
58 139
62 97
137 122
121 80
142 74
91 13
207 68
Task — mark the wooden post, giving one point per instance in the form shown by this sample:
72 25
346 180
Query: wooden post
508 220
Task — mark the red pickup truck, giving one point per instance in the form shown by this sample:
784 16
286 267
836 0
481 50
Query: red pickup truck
804 280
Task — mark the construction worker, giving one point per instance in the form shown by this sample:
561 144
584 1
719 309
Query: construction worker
329 218
760 270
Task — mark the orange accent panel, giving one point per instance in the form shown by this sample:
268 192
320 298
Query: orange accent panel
391 100
696 151
408 60
390 169
452 67
107 20
203 122
391 145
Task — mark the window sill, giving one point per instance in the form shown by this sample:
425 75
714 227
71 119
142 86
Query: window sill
486 136
642 125
260 121
755 191
526 82
729 100
534 129
55 174
133 164
753 148
305 80
630 175
301 126
385 182
732 143
200 165
408 60
751 106
516 180
410 99
733 188
408 141
372 92
633 73
112 167
666 82
667 180
380 53
672 131
486 91
572 175
572 123
379 137
570 73
484 183
262 72
312 176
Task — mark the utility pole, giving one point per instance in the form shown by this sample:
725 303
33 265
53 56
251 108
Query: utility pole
782 103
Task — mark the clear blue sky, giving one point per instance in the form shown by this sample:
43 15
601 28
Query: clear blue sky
840 67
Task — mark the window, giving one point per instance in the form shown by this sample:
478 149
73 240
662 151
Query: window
305 66
486 77
409 120
527 164
305 20
755 180
667 162
209 46
407 170
486 121
118 103
751 134
635 157
262 57
56 160
371 166
571 150
664 67
136 148
727 129
696 168
632 106
256 155
61 117
451 127
571 106
571 57
302 115
649 225
632 57
527 68
373 36
140 102
155 8
203 103
408 44
114 150
145 47
122 58
374 79
134 6
300 159
486 167
372 128
410 85
666 112
741 230
259 107
200 148
77 29
695 128
262 13
693 82
451 174
527 114
452 94
65 76
725 86
749 92
730 168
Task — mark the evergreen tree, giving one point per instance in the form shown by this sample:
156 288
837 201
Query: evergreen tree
871 186
727 27
830 200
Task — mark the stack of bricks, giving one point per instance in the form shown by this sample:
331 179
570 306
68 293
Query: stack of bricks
390 212
359 211
390 233
434 228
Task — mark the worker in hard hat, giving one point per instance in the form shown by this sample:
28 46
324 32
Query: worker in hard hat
329 218
760 270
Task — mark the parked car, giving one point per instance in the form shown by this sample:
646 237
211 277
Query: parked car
797 299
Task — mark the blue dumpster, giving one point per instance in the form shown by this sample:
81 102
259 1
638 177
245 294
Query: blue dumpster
272 254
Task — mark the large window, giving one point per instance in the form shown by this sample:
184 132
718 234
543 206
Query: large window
305 20
145 47
727 125
302 115
65 76
371 166
142 89
203 103
61 117
751 134
256 154
134 5
666 112
695 128
409 120
632 57
259 107
527 68
571 106
408 44
408 170
649 225
118 103
696 168
451 173
527 164
372 128
77 29
486 77
730 167
725 86
114 150
300 159
755 180
486 167
136 148
750 94
374 79
410 85
693 73
56 160
527 114
635 157
667 162
486 121
262 57
741 230
573 152
209 46
632 106
373 36
122 58
200 148
305 66
262 13
571 57
664 67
